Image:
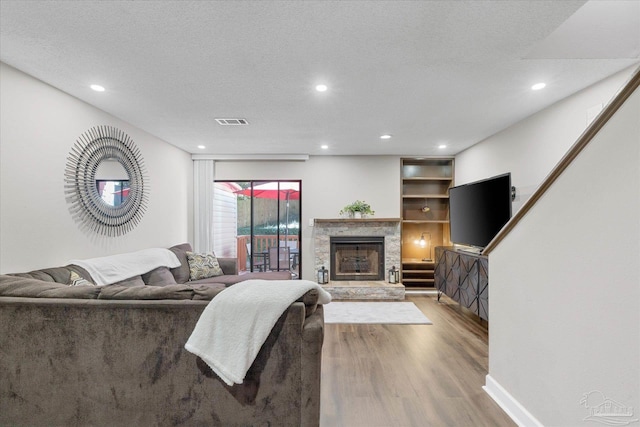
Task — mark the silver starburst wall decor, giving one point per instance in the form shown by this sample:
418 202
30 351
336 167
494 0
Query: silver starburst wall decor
97 145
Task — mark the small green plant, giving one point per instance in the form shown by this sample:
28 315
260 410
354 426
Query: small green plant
360 206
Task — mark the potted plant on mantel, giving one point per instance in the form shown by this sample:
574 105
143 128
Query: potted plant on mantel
357 209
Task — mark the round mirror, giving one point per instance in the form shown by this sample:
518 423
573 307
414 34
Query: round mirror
112 182
106 152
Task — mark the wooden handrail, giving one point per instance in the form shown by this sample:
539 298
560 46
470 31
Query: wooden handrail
584 139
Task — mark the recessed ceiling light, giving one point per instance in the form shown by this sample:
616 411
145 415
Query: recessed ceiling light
442 146
538 86
385 136
97 88
202 147
324 147
321 88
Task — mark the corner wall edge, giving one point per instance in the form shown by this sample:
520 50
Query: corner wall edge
509 404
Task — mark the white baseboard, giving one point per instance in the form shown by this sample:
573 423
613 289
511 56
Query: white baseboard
511 406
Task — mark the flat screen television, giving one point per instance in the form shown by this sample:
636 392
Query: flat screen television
478 210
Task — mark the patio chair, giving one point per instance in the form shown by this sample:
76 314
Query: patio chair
293 247
279 257
257 261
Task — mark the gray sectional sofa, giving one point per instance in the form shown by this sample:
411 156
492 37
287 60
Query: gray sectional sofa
114 356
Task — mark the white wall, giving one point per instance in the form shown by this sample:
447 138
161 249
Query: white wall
328 184
531 148
38 127
565 285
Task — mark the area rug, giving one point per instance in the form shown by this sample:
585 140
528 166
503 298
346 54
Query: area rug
400 313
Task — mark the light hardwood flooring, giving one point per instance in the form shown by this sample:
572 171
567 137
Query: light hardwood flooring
409 375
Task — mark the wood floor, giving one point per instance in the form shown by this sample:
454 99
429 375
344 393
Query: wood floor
409 375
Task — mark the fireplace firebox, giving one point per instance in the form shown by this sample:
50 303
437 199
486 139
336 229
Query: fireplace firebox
356 257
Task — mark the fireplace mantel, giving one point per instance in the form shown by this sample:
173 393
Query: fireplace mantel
354 220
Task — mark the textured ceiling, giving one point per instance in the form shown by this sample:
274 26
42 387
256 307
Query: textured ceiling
427 72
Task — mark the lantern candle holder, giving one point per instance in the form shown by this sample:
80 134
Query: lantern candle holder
323 276
394 275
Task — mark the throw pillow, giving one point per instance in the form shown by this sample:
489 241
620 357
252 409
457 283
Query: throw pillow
181 274
76 280
202 266
159 276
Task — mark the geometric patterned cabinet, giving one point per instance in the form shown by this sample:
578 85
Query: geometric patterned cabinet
464 278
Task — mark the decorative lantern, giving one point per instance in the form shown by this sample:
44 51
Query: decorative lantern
394 275
323 276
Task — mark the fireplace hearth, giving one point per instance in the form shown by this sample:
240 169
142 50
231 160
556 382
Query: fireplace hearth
357 258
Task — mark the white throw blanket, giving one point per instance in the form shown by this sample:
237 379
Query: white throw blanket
111 269
235 324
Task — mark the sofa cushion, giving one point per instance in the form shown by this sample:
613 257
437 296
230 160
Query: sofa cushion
58 274
206 291
135 281
228 265
181 274
14 286
37 275
225 280
230 279
268 275
203 265
116 292
159 277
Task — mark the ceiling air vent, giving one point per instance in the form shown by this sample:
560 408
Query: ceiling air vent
232 122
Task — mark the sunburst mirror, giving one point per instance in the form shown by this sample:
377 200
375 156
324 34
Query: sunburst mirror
91 196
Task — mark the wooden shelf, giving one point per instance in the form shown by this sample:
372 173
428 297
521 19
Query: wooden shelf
425 196
416 261
368 219
428 178
424 182
425 221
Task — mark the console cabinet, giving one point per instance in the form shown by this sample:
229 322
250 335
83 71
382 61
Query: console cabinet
463 277
425 184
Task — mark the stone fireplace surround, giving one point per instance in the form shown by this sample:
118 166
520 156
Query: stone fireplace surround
387 227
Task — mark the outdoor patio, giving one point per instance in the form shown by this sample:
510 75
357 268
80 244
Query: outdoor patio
261 257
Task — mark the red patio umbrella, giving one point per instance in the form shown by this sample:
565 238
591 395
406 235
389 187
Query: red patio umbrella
275 190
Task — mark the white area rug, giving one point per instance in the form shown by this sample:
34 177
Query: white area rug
401 313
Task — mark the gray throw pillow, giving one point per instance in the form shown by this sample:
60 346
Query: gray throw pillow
159 277
181 274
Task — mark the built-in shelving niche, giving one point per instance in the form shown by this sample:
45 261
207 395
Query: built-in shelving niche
425 182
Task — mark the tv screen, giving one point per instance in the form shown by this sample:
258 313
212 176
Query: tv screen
478 210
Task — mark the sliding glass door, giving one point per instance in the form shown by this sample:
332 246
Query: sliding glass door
267 229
